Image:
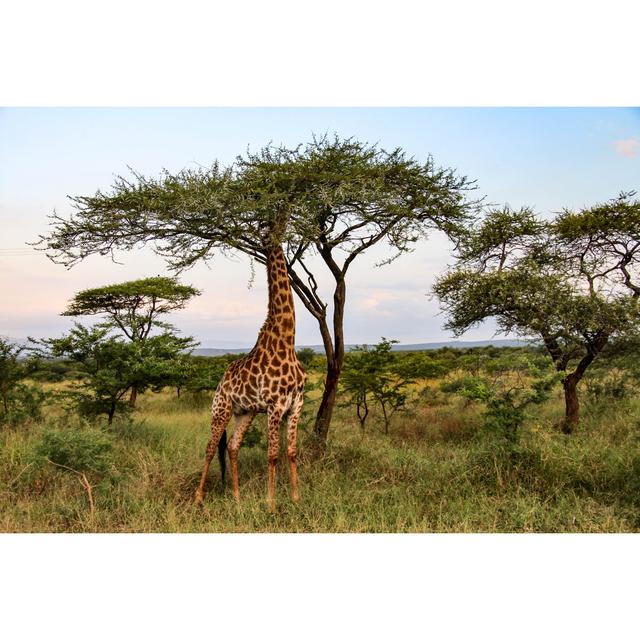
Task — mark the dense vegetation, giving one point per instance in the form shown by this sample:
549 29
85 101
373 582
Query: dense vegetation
474 446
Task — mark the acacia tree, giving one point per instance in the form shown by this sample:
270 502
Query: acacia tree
339 197
572 282
134 308
375 374
112 366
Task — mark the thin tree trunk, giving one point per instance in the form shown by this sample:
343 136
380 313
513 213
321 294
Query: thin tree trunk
386 419
112 410
572 404
325 411
335 357
363 411
133 397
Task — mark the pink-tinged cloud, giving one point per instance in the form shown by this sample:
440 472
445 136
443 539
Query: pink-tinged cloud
627 147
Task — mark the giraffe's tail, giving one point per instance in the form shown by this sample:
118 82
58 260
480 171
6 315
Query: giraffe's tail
222 449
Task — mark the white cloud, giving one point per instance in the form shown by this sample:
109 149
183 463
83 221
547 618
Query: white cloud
627 147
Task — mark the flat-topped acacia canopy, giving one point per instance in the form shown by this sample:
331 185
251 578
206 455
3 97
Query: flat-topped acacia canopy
133 306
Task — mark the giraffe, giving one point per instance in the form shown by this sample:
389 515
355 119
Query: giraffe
269 379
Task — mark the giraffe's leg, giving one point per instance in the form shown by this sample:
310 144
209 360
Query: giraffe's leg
220 412
292 433
241 424
274 416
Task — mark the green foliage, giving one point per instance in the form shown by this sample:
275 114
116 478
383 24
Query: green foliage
306 356
19 402
420 365
340 192
506 398
133 307
26 404
79 448
572 282
203 374
608 386
111 366
374 374
55 370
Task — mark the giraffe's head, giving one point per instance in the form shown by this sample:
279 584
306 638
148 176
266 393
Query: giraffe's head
272 229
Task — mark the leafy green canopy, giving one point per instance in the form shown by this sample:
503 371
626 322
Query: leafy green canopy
573 281
19 402
133 306
112 366
331 193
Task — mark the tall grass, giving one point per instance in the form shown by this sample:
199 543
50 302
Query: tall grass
436 471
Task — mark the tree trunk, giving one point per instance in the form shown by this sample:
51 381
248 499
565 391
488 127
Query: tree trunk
325 411
572 404
133 397
386 419
362 410
335 357
112 410
570 383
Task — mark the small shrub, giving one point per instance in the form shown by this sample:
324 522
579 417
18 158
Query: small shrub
614 386
305 356
79 449
25 404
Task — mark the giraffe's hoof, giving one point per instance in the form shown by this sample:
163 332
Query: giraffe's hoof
199 500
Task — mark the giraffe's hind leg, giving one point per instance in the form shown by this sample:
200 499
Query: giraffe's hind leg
220 413
241 424
274 417
292 434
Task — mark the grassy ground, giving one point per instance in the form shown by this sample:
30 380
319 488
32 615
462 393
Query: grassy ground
436 471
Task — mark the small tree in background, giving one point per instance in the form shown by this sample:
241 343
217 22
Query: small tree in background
11 372
112 366
19 401
134 308
373 374
573 282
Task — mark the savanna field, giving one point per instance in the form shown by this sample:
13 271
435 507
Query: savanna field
440 468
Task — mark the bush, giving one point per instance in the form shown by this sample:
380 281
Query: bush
25 404
614 386
305 356
78 448
506 399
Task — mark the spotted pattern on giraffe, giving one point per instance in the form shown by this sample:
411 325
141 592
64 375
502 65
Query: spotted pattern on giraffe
269 379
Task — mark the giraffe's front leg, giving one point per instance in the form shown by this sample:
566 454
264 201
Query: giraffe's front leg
274 417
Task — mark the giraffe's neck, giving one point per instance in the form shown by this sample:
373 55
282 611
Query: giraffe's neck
281 320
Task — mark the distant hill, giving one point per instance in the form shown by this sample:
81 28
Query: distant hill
421 346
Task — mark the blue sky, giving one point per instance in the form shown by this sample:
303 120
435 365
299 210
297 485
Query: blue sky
547 158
